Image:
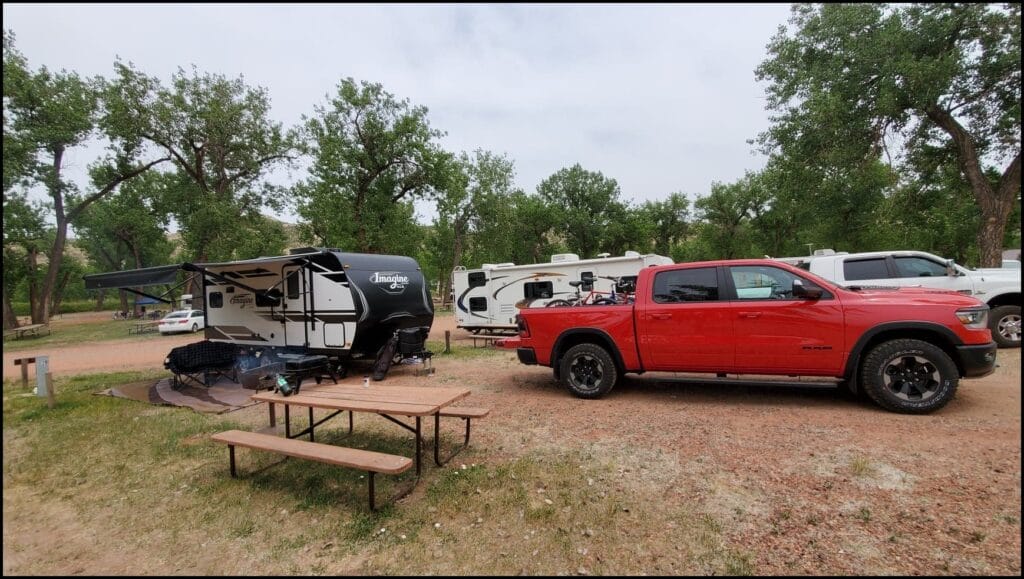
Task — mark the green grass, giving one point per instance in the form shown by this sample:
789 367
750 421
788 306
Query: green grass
135 475
80 332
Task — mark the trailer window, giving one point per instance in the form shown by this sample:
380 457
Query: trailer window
538 289
478 304
686 285
216 300
478 279
292 284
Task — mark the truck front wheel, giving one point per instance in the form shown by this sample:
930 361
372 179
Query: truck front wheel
909 376
1004 321
588 371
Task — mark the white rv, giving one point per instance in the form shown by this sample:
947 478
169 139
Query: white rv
314 300
489 297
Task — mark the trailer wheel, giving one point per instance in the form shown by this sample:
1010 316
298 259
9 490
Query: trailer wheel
588 371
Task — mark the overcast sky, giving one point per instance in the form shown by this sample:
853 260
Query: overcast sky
661 98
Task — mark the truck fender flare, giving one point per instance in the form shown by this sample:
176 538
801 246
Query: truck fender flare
855 353
602 339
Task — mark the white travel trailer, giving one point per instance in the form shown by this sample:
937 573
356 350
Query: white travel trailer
488 298
312 301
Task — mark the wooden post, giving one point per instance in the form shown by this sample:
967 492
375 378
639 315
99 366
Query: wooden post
24 373
51 396
447 342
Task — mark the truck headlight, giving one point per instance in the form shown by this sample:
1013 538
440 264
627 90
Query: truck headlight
975 318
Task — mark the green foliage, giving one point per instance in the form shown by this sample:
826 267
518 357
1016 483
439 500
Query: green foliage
373 155
585 206
855 83
223 142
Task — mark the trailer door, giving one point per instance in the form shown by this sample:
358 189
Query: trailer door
296 292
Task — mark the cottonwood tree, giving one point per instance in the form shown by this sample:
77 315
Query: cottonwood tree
852 83
584 204
47 114
222 141
373 155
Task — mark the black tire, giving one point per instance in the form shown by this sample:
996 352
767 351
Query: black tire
909 376
1004 321
605 302
195 327
556 304
588 371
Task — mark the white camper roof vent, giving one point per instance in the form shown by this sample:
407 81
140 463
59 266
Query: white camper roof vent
496 265
560 257
632 254
820 252
604 255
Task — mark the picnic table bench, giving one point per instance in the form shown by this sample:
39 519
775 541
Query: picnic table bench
33 330
485 340
370 461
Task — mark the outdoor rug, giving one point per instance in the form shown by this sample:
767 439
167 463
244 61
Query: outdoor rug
222 396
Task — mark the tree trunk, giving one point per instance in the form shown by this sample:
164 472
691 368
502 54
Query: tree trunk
138 265
995 202
99 300
10 320
58 294
41 309
33 287
123 295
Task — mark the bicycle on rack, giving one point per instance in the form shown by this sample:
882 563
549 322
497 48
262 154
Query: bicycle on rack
593 297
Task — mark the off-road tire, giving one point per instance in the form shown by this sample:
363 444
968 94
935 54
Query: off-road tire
909 376
588 371
1004 321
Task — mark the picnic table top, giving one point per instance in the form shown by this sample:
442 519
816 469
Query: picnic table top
31 327
400 400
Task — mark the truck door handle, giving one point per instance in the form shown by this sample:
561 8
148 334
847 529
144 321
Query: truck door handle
750 314
661 316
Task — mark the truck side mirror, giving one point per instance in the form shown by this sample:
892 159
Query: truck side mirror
951 268
803 292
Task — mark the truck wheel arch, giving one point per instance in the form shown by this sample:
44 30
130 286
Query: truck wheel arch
936 334
574 336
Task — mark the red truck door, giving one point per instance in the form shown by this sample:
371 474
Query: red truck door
682 323
776 332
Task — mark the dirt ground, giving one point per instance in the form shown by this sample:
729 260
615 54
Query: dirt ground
808 481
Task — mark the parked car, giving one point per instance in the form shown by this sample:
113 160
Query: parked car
906 348
997 287
182 321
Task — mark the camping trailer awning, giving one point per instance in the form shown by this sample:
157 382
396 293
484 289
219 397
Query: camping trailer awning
159 275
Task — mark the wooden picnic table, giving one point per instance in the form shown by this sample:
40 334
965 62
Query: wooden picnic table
143 326
386 401
33 330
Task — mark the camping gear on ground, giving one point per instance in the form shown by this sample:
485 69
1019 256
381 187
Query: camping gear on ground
206 359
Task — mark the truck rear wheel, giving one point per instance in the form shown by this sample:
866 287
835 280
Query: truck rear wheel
588 371
909 376
1004 321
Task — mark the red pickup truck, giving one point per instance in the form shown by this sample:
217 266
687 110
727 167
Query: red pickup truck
907 348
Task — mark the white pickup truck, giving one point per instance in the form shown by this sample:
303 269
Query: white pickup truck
997 287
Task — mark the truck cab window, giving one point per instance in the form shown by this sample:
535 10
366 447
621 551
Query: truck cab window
919 267
686 285
854 270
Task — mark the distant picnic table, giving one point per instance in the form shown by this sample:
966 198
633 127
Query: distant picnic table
141 327
33 330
